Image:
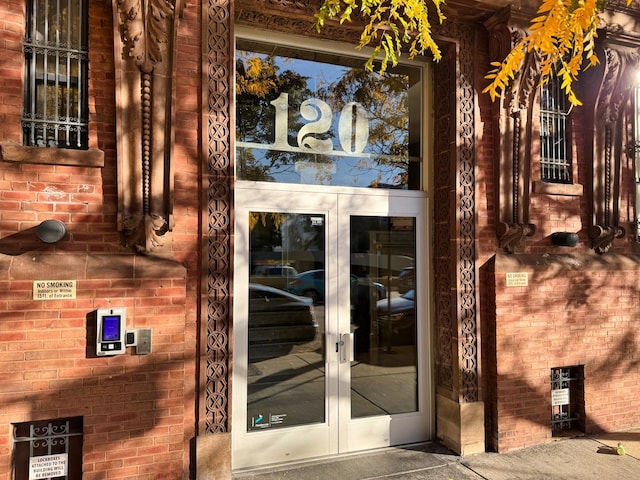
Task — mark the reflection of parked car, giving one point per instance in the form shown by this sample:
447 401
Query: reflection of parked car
407 280
273 275
311 284
398 315
278 320
275 271
380 290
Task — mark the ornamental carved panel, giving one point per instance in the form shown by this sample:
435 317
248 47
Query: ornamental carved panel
454 198
144 42
218 127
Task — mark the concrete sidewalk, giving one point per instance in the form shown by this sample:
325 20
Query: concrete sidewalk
581 458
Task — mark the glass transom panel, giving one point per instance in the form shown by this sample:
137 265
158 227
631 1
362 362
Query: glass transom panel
317 118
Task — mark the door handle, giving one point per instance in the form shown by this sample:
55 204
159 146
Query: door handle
346 347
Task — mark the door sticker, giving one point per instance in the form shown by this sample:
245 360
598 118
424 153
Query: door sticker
260 422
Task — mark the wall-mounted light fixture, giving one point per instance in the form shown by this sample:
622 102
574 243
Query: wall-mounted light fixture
565 239
51 231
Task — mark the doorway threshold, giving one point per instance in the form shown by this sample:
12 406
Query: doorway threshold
402 462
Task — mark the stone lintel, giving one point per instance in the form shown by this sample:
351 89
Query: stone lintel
85 266
566 262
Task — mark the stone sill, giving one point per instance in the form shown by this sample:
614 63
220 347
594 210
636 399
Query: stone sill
88 266
572 189
565 262
12 152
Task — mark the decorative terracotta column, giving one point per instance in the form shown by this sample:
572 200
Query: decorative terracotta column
611 133
514 120
144 32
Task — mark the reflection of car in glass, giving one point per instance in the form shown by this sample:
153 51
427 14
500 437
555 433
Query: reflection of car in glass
273 275
369 261
311 284
407 280
278 320
398 315
379 289
275 271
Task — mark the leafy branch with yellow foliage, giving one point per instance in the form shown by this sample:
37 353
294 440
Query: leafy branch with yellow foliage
562 35
393 26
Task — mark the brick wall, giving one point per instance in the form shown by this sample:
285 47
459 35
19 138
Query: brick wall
188 208
11 67
84 198
132 404
577 310
139 411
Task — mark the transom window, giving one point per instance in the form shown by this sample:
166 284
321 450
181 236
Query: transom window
555 154
320 118
56 68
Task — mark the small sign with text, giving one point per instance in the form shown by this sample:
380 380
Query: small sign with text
54 290
517 279
48 466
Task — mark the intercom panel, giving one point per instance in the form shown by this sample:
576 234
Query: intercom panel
111 326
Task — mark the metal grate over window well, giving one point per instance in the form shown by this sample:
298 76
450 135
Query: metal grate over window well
567 398
48 449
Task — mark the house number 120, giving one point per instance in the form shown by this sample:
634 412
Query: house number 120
353 126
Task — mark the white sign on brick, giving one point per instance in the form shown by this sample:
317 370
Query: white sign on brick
54 290
48 466
560 396
517 279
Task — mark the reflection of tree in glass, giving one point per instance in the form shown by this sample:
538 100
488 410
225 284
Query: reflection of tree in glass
269 228
312 237
259 82
265 230
385 99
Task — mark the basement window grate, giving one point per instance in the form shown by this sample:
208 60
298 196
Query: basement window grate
567 399
48 449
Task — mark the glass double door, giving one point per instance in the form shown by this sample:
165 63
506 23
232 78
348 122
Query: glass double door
330 334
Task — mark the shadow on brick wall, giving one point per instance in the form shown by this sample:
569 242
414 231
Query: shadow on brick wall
25 241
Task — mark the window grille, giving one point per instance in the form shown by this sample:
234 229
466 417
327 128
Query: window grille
555 158
56 70
567 398
48 449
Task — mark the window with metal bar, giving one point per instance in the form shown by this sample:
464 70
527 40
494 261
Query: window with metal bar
567 399
48 449
56 71
555 154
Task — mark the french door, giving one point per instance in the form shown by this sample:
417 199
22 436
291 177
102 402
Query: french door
330 332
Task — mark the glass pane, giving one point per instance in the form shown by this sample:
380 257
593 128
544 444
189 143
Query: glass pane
286 375
316 118
55 22
384 375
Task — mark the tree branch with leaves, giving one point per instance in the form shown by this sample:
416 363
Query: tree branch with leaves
394 26
562 35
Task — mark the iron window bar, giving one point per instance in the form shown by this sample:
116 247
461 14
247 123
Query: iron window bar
562 416
47 442
555 161
634 150
56 62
